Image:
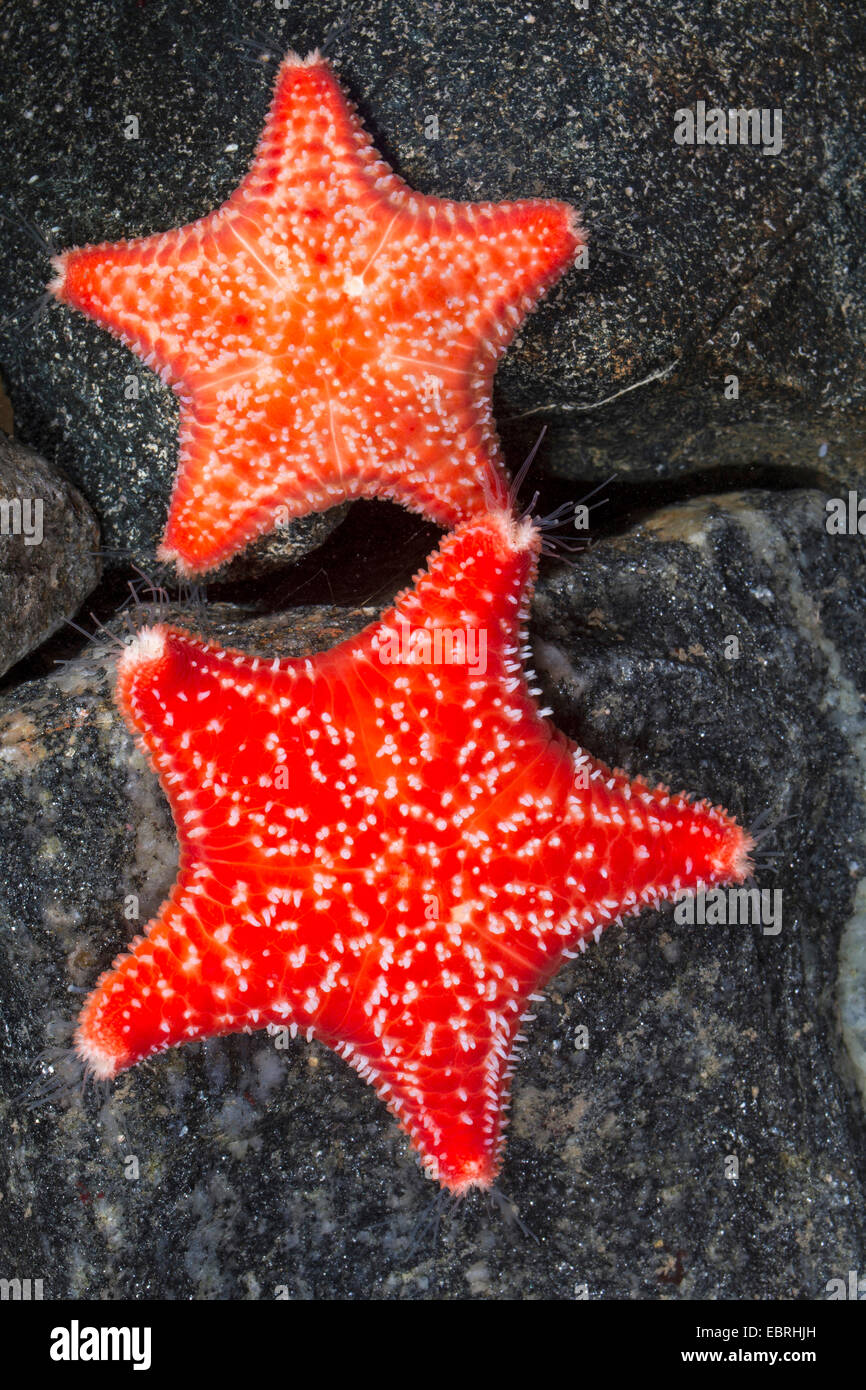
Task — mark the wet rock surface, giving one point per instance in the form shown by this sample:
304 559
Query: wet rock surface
687 1118
262 1170
49 542
688 433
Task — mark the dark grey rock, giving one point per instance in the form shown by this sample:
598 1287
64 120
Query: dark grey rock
49 541
688 429
709 260
261 1170
261 558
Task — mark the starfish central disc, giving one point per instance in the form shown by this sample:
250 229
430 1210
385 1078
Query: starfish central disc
331 333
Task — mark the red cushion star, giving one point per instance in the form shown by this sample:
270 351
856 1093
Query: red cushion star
387 847
331 333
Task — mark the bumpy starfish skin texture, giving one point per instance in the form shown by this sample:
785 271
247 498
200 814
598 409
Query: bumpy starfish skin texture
331 333
387 847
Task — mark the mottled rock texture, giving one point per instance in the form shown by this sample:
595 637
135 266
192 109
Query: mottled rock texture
49 551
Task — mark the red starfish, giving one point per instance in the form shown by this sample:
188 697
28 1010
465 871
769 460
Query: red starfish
387 847
331 333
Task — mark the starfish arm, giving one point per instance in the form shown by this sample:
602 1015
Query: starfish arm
185 301
493 260
140 290
165 693
522 250
167 298
447 1082
166 989
447 659
432 1022
242 746
313 145
242 470
623 846
422 479
220 722
479 582
221 956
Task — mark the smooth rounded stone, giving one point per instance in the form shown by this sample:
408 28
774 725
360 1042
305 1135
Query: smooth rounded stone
662 1061
711 259
676 429
49 542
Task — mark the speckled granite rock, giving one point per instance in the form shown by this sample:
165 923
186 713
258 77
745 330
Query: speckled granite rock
685 427
49 540
261 1172
708 259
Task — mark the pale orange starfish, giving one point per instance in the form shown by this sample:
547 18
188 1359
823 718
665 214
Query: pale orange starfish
331 333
